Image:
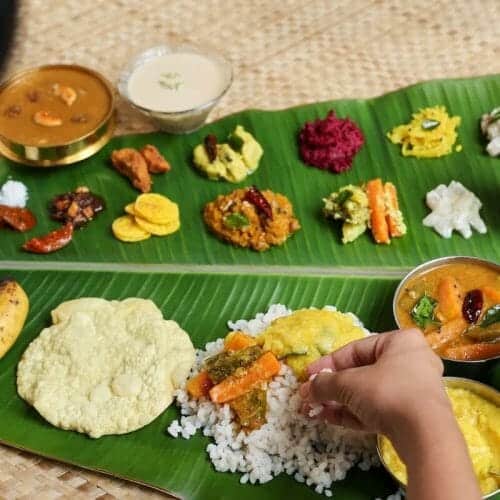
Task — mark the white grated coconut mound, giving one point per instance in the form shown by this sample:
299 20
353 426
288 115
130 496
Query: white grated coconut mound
313 452
454 208
14 194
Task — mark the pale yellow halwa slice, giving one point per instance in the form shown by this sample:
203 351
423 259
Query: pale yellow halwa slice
158 229
126 229
156 208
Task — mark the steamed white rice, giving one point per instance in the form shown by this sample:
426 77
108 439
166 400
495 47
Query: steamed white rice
312 452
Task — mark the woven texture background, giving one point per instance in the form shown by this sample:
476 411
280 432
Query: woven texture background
284 52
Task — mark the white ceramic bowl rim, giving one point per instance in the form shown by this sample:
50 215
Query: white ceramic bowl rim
160 50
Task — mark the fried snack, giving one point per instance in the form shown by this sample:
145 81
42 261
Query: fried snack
130 163
156 208
157 164
125 229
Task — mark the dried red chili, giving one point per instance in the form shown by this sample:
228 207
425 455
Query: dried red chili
20 219
257 199
210 143
51 242
472 306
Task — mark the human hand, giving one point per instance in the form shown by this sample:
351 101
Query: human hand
377 384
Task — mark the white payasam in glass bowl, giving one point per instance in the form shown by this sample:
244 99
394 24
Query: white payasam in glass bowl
176 86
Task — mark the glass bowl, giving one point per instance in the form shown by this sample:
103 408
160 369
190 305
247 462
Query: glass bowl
176 122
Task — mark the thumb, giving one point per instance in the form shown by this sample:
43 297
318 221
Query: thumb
336 386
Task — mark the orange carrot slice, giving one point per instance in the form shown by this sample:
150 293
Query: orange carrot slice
392 206
200 385
379 227
232 387
492 294
449 298
236 341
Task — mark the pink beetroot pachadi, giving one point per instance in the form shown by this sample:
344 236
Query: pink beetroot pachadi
330 143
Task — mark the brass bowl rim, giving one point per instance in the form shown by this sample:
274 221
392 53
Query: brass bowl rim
483 390
156 51
107 84
432 264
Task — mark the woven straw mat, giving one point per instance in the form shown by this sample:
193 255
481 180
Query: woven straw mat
284 52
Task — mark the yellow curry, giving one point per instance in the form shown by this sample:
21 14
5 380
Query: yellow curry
308 334
479 421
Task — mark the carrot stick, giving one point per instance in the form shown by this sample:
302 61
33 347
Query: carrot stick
200 385
473 352
236 341
492 293
449 299
394 217
379 227
232 387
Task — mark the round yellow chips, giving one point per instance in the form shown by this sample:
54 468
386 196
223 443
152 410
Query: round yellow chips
129 209
125 229
150 214
156 208
158 229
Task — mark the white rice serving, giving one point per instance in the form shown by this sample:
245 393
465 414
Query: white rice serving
313 452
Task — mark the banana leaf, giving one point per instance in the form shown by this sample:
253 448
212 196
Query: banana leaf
318 242
201 304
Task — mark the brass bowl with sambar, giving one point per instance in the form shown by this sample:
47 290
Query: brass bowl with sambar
55 115
455 302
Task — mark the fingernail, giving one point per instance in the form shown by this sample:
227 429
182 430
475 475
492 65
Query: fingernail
304 390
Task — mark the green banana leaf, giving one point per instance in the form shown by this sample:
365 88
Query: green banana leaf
201 304
318 242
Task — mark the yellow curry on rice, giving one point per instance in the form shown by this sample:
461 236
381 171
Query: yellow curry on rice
479 421
457 306
53 105
307 334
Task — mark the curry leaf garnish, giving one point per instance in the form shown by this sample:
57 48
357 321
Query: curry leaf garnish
492 315
428 124
236 220
423 311
343 196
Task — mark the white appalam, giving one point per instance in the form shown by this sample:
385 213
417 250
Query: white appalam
105 367
454 208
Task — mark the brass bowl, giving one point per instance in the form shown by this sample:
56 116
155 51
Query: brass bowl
66 153
427 266
483 390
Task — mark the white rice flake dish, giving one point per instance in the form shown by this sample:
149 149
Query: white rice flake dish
313 452
14 194
454 208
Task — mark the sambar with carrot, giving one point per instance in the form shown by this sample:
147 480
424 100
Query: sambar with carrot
457 306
